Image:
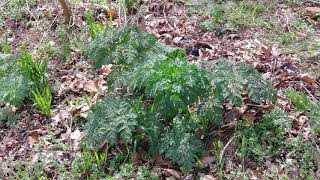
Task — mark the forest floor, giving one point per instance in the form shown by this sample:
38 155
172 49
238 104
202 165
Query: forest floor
282 42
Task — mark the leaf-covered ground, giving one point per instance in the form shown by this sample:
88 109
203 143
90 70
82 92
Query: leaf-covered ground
282 42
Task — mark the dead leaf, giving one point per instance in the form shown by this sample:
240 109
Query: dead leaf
266 54
66 135
249 117
76 86
208 177
76 135
173 173
308 79
33 138
105 70
90 86
207 160
312 12
60 117
112 13
176 40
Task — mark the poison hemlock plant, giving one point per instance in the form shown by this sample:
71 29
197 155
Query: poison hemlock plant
179 143
7 117
112 121
231 79
172 83
14 87
120 46
159 100
267 136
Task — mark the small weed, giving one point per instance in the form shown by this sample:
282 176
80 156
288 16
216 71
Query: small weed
298 99
231 14
16 9
4 45
30 172
90 165
94 27
33 71
302 154
37 74
217 152
266 137
43 100
7 117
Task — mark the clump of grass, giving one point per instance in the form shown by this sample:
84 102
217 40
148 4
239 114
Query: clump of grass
16 9
298 99
231 14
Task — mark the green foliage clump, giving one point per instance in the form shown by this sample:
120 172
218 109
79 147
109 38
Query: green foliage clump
314 117
179 143
172 83
16 9
14 87
7 117
298 99
4 45
267 136
159 100
304 154
19 77
94 28
302 103
112 121
90 164
120 46
36 73
230 79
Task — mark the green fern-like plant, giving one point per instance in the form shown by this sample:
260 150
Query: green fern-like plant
161 101
112 121
230 79
267 137
179 144
172 83
14 87
120 46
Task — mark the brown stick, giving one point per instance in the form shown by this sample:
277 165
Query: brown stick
66 10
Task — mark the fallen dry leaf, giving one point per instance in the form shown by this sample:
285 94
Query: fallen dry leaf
76 86
90 86
60 117
208 177
308 79
312 12
105 70
33 138
76 135
173 173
